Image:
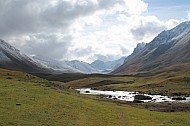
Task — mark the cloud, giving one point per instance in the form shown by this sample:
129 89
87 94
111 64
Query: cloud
39 15
106 58
124 50
172 23
81 52
188 15
21 16
136 7
147 26
48 45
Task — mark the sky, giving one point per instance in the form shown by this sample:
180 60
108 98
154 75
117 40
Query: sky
87 30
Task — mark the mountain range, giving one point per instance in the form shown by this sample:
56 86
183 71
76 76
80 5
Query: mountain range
169 51
76 66
12 58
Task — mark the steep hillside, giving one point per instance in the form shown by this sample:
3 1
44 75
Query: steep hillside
169 51
12 58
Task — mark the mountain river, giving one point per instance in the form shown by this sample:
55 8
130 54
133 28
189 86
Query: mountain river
135 96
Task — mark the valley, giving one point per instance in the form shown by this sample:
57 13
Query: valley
30 100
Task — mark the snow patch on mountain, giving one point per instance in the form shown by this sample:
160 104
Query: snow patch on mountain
82 66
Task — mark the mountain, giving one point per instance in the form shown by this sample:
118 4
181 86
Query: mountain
83 67
169 51
12 58
61 66
74 66
108 66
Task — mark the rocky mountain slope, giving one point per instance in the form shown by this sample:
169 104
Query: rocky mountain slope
169 51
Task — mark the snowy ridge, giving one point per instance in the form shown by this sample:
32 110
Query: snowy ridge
74 66
5 47
12 58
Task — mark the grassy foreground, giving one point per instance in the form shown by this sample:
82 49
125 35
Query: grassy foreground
25 101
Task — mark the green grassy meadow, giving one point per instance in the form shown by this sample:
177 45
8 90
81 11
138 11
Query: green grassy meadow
26 100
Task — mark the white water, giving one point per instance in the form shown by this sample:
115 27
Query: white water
129 96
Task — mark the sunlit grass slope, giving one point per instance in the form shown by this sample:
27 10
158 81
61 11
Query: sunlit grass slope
25 102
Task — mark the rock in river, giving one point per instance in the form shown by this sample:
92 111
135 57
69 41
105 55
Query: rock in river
142 97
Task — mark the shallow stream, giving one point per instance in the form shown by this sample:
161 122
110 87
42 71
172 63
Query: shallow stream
135 96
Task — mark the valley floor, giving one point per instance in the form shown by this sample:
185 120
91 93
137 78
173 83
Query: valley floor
29 100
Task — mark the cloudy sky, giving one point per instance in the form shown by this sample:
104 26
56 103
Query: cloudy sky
86 29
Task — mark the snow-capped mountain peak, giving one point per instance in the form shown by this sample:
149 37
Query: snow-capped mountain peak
7 46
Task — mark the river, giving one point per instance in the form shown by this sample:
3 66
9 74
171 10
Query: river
135 96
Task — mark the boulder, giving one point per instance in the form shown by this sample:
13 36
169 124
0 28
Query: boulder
87 91
110 96
142 97
18 104
114 98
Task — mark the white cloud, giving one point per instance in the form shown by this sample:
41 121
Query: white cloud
136 7
122 17
172 23
188 15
